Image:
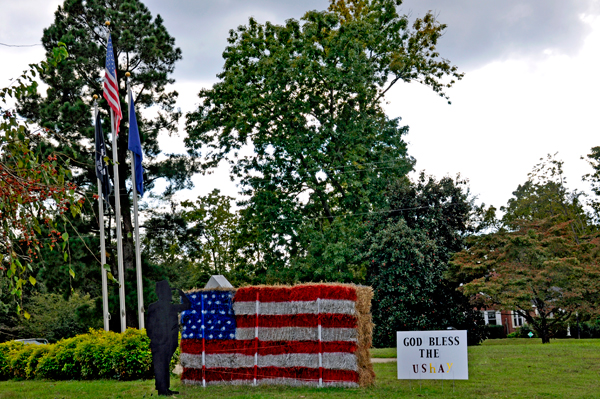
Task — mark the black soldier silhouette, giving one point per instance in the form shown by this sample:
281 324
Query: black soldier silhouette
163 330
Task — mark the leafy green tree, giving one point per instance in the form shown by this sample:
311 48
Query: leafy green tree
545 195
35 196
408 247
167 241
196 239
53 317
143 47
305 97
537 269
593 159
541 260
214 225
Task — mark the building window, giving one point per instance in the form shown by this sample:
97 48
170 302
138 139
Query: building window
491 317
517 320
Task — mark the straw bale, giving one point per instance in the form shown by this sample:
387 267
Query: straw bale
299 299
364 296
365 335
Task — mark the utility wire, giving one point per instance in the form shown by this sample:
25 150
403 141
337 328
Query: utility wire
20 45
339 216
356 169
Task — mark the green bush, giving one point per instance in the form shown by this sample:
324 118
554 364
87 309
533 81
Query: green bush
589 329
495 331
98 354
7 349
38 352
18 361
522 332
133 359
175 358
59 363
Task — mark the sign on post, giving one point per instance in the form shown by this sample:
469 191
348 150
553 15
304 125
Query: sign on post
432 355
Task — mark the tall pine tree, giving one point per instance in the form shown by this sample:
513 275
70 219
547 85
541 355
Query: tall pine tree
143 47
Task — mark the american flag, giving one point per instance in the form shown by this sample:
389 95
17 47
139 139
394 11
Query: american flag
111 85
301 335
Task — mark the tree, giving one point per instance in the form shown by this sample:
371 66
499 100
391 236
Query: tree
540 261
545 195
214 225
408 248
53 317
197 239
537 270
593 159
143 47
35 195
305 97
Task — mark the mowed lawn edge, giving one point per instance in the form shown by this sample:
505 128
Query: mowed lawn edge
509 368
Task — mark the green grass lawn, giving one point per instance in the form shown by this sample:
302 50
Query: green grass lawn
509 368
383 352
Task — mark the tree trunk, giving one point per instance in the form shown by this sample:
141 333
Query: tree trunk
544 331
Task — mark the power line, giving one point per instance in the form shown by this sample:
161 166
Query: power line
356 169
339 216
20 45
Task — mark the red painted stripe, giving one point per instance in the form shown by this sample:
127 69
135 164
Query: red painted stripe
110 98
297 293
112 83
247 373
329 320
247 347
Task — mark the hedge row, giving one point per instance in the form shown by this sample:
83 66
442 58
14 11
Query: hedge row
98 354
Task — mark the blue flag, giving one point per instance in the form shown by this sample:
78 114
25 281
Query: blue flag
135 146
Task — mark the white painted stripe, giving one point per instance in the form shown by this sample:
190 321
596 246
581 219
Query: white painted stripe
108 86
297 334
320 354
203 364
110 74
296 307
112 101
114 104
256 336
333 360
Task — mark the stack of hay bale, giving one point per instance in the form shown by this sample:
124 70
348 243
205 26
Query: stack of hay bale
310 334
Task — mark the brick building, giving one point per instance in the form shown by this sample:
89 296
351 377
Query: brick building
509 319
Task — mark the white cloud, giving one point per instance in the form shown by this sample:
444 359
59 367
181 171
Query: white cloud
504 117
530 89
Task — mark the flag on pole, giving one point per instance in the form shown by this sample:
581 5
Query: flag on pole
101 165
135 146
111 85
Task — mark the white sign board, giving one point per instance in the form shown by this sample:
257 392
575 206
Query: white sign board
432 355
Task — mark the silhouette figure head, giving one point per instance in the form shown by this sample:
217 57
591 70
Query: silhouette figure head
163 291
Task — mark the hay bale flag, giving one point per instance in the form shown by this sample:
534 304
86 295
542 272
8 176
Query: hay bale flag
311 334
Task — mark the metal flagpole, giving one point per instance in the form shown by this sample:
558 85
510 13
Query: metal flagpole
105 314
118 223
138 259
117 205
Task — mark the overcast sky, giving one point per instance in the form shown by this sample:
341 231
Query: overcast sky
531 85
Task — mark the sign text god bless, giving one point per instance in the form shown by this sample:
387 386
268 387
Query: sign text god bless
432 355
